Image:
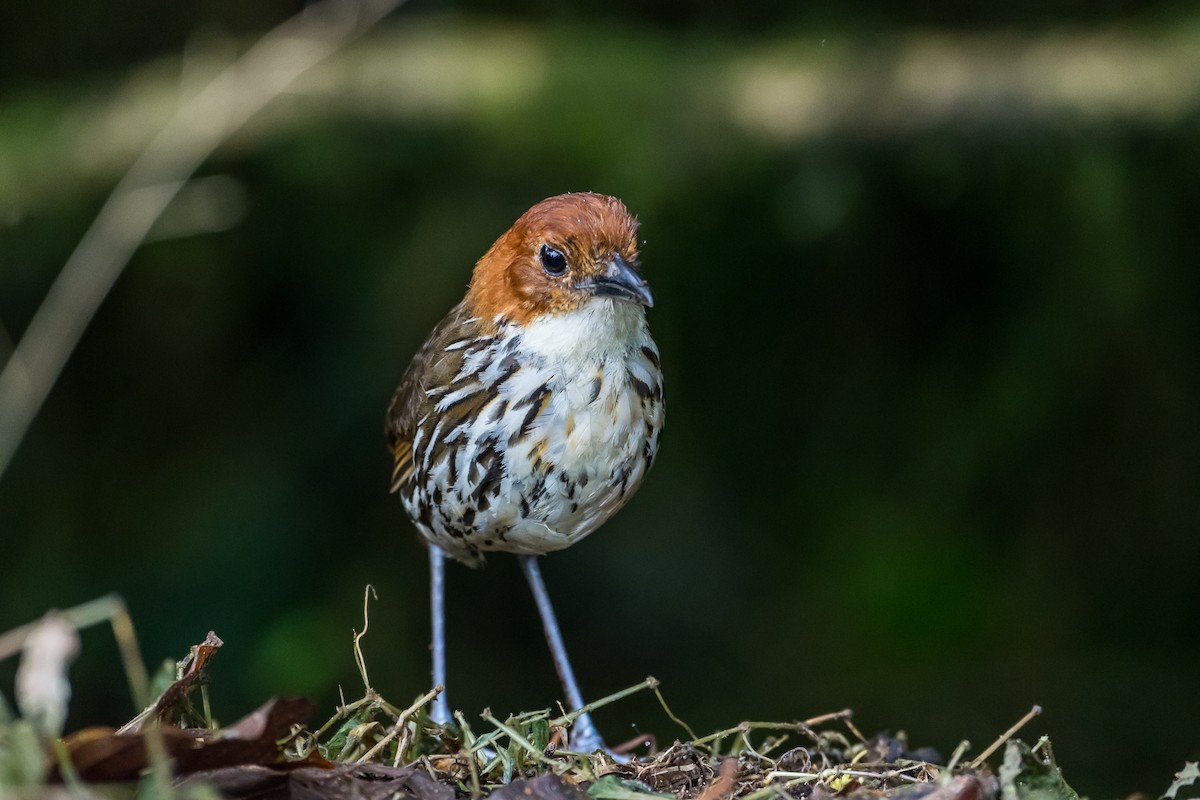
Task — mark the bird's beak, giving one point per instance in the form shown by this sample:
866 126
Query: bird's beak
622 281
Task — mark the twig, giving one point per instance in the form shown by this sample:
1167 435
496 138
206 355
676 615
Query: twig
368 593
473 767
749 748
343 711
400 722
516 737
837 772
742 726
200 125
467 743
479 745
1004 737
845 713
802 727
649 683
662 701
957 755
853 729
771 744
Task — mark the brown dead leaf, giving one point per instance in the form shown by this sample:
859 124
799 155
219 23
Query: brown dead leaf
194 666
102 754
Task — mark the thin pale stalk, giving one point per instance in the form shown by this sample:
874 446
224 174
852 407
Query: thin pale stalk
803 727
1004 737
663 702
401 720
649 683
516 738
201 124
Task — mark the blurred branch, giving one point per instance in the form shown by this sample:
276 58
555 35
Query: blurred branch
6 342
199 126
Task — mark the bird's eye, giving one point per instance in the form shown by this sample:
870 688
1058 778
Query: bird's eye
553 261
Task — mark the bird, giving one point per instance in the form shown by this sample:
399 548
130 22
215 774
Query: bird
534 409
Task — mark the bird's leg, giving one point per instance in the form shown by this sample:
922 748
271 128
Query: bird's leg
437 612
584 736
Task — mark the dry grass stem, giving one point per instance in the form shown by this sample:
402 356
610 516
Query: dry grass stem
361 662
1004 737
570 717
755 760
957 755
663 702
202 122
401 721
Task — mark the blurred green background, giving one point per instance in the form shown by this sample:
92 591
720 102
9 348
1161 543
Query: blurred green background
927 297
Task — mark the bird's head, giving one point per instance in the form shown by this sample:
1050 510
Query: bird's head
562 254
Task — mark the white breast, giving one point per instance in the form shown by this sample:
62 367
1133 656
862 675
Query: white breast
572 464
596 427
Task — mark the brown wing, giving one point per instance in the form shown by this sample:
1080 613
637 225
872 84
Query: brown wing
432 366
